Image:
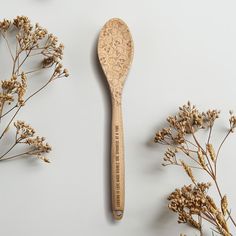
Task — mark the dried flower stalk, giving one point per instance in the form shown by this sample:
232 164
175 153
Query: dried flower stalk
34 45
192 203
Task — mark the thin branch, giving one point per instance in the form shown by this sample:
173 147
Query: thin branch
177 164
24 60
8 150
191 143
209 136
16 59
14 107
1 110
18 155
223 141
8 45
219 149
33 71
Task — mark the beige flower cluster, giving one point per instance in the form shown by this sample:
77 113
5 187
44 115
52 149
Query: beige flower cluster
25 134
188 120
14 86
190 202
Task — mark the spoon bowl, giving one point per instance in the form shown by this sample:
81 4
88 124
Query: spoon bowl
115 53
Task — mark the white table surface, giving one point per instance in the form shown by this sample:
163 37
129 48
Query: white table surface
184 50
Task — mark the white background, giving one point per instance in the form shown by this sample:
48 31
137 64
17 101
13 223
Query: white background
184 50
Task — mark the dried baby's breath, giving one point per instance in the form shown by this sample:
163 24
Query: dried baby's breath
193 202
31 41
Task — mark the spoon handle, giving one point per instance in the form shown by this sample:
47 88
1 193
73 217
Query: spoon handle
117 162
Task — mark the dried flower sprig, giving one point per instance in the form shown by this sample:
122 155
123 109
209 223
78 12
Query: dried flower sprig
31 41
193 203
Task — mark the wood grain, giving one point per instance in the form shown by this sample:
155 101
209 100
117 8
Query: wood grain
115 52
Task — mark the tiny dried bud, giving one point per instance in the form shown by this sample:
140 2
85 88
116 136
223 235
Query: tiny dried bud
194 223
201 158
222 223
224 205
188 170
211 205
66 72
5 25
211 151
45 159
232 121
22 89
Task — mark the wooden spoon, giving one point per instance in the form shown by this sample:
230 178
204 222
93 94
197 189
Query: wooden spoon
115 52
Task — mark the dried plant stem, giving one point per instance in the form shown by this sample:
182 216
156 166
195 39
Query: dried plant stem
209 219
14 107
9 123
187 141
221 144
200 223
35 70
209 136
32 152
192 158
177 164
8 150
23 61
16 60
8 45
1 110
